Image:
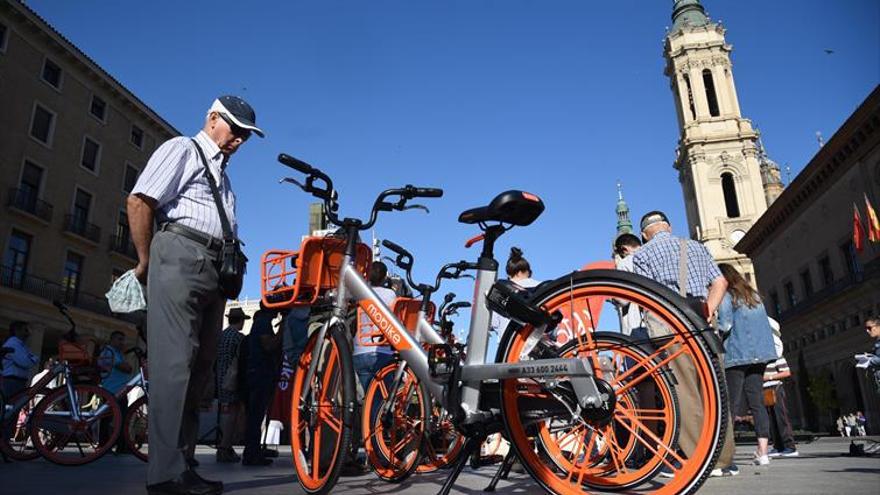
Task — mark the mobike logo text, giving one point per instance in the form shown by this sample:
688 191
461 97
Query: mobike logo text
385 326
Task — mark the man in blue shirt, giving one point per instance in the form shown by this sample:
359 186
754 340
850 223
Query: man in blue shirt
115 371
19 361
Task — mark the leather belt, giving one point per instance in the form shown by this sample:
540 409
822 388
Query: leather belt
210 242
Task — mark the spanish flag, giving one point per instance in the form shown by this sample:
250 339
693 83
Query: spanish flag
873 223
858 231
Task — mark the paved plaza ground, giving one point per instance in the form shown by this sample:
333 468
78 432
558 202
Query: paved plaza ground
822 468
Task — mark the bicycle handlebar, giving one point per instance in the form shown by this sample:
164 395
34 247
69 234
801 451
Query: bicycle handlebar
296 164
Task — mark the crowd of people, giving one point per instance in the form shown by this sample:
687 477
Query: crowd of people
852 424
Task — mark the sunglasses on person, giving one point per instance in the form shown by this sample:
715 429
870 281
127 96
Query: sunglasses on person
237 131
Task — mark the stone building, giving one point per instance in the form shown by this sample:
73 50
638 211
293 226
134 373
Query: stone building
812 279
72 142
726 177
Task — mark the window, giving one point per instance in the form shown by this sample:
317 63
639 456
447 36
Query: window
774 300
16 259
690 96
98 108
42 124
729 189
137 136
122 230
130 179
790 297
52 73
4 36
711 97
82 202
91 155
850 262
29 187
807 282
825 270
72 277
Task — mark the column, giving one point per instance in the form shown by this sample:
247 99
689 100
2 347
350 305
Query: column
699 91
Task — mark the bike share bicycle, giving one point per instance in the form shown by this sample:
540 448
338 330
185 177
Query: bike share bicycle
574 423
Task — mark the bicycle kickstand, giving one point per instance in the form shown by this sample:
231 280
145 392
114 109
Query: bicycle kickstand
503 471
472 444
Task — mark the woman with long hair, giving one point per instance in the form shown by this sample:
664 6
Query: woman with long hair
748 347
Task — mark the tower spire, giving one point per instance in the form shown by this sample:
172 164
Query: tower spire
624 224
688 13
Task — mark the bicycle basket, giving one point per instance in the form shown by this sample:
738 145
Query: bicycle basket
405 309
299 278
79 353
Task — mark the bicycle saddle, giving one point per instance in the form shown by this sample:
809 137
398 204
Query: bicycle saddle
514 207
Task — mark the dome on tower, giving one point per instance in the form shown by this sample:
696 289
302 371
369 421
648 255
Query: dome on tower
688 13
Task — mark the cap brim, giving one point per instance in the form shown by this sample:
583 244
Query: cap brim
218 106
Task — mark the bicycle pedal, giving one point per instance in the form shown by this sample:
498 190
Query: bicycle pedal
442 360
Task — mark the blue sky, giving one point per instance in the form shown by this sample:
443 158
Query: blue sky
558 98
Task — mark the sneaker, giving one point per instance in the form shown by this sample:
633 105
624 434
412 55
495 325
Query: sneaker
789 453
667 471
773 452
728 471
761 460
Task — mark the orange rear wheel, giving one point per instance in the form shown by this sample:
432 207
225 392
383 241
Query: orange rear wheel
572 454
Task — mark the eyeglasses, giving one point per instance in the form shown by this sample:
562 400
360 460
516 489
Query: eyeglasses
237 131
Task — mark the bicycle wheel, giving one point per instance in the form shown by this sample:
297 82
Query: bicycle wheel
134 427
596 446
76 430
596 451
321 418
393 423
15 436
443 442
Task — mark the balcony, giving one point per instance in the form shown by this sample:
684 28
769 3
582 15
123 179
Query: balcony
15 278
27 202
76 224
121 243
869 271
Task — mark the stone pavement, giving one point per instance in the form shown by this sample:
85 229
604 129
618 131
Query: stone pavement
821 469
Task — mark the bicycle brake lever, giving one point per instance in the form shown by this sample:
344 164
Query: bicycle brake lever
416 207
295 182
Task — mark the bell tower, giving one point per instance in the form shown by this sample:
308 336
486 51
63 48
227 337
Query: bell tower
719 160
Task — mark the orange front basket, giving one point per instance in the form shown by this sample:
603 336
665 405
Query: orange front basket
299 278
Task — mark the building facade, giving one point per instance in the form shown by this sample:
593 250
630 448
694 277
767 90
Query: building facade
813 280
72 143
726 178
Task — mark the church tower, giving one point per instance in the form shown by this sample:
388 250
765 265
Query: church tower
624 224
721 166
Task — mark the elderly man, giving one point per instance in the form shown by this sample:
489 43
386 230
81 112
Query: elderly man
179 264
659 259
17 363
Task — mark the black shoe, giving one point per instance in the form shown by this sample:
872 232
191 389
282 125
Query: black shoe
185 484
192 463
270 452
216 484
256 461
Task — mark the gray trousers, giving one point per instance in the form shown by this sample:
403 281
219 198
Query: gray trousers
184 319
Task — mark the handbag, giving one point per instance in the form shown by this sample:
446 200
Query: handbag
232 262
769 396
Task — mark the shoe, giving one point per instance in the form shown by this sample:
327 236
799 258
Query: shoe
667 471
188 483
353 468
192 463
773 453
218 485
789 453
227 455
256 461
761 460
728 471
270 452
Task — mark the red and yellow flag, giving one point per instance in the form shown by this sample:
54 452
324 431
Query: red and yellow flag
858 231
873 223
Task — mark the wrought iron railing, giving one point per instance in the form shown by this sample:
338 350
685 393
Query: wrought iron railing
76 224
28 202
121 243
16 278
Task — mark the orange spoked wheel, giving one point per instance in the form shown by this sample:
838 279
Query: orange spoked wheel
394 419
76 429
443 442
321 413
650 425
134 427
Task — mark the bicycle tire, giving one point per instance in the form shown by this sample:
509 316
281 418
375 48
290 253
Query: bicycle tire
685 340
20 448
52 433
134 427
393 444
334 383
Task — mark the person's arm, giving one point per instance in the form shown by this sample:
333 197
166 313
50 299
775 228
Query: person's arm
141 212
716 293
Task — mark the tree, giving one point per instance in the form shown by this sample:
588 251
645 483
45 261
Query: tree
822 393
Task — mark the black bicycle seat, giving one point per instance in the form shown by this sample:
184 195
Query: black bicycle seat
514 207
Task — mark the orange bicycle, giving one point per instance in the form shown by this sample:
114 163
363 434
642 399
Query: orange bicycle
577 422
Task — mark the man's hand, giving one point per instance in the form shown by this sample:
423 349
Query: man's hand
140 272
716 294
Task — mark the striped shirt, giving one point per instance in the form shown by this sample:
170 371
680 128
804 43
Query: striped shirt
658 260
774 367
174 177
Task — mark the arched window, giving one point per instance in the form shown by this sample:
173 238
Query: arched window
730 200
690 95
711 97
